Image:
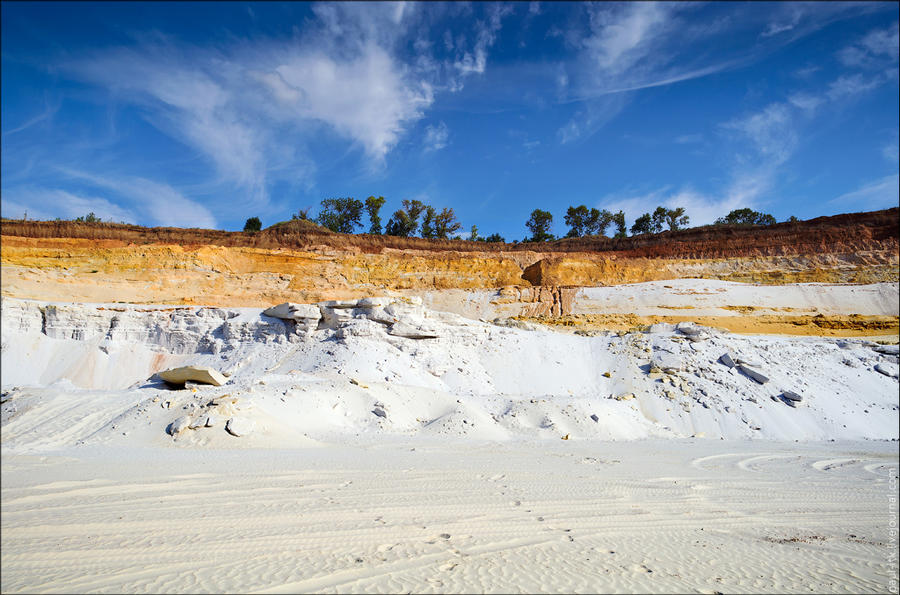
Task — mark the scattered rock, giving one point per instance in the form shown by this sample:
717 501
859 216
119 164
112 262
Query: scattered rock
891 370
748 363
792 396
887 349
211 421
667 362
594 417
379 412
660 327
179 425
566 437
306 315
358 383
690 330
607 375
402 329
751 373
240 426
198 422
202 374
625 397
726 360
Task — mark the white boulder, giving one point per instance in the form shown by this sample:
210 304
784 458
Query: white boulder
240 426
666 362
201 374
179 425
891 370
307 313
751 373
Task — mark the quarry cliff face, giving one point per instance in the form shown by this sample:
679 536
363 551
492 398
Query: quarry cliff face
109 263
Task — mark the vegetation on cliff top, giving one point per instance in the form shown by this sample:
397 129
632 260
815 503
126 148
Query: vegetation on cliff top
876 230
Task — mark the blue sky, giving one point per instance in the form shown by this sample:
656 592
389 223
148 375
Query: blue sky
204 114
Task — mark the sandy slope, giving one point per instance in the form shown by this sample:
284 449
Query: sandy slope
382 462
695 516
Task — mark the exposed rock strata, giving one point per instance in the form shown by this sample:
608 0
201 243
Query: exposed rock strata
71 262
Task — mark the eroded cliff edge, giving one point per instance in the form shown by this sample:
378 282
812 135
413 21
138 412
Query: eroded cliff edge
67 261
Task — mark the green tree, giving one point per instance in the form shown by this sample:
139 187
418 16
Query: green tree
658 219
746 217
494 238
428 223
89 218
302 215
619 220
253 224
585 222
643 224
577 218
473 234
342 215
445 224
373 208
404 222
676 219
600 223
792 219
539 225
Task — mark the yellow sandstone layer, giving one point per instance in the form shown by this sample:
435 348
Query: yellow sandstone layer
852 325
74 269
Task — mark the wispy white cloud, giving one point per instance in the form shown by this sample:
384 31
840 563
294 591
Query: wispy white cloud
807 72
486 34
642 45
891 151
184 97
46 114
702 208
847 86
805 101
771 133
876 49
877 194
46 203
436 137
624 36
155 202
788 21
244 105
367 98
590 118
689 139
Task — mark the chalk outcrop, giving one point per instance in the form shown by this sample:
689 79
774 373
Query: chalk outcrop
306 316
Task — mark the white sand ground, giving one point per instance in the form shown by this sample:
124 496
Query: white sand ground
367 447
687 516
